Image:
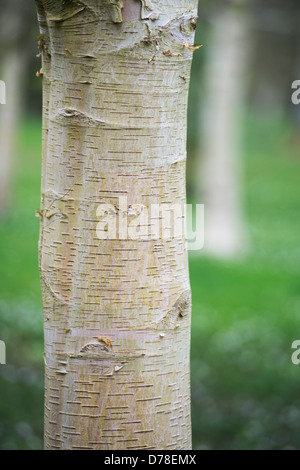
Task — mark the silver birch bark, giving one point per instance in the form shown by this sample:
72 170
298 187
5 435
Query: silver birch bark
220 165
117 312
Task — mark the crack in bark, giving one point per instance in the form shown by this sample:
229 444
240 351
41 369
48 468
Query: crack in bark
69 116
170 39
180 310
64 10
50 290
148 12
101 351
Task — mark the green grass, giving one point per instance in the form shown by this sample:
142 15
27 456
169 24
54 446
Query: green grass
21 381
246 313
19 229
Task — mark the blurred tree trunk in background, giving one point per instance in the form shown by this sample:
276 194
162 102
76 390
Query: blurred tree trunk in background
275 35
296 76
117 312
13 67
14 31
221 151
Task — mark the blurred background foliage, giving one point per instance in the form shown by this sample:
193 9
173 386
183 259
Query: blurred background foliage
246 285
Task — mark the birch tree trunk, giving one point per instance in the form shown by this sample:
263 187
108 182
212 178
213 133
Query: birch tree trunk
220 167
117 312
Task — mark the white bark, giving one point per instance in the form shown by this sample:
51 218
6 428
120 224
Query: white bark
117 312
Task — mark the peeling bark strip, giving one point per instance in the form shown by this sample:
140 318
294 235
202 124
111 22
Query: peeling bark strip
117 312
116 10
